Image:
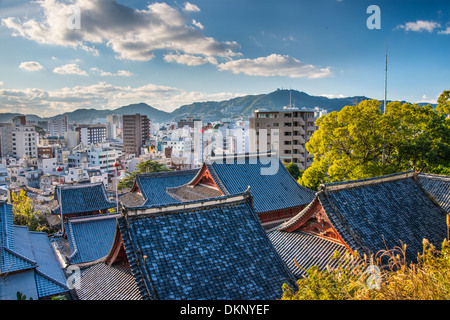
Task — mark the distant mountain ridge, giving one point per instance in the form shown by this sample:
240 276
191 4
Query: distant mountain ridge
240 107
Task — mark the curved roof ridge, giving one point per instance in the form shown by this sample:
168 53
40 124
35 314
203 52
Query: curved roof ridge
50 278
165 173
297 217
434 176
191 205
367 181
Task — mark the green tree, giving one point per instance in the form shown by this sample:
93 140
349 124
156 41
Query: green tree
142 167
444 102
294 170
314 175
361 142
24 213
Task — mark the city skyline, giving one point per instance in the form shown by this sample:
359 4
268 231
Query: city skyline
108 54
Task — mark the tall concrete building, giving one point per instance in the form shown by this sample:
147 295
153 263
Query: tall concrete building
285 131
59 126
91 133
19 141
136 131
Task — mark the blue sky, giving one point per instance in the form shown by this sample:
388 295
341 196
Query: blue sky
59 55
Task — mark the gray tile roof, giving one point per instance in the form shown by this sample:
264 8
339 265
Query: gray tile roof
90 238
272 186
438 187
305 249
22 250
103 282
153 186
381 213
385 213
82 198
203 250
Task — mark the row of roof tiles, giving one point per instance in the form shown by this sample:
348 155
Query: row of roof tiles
362 213
23 253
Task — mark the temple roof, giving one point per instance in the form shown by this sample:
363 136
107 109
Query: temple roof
90 238
215 249
438 187
272 186
103 282
380 213
306 250
82 198
22 250
153 186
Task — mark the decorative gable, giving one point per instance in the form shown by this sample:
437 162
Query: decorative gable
205 177
315 221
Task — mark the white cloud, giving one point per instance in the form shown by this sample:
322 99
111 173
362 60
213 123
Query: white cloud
124 73
445 31
198 24
31 66
138 35
332 96
426 99
1 83
189 59
101 95
119 73
70 69
275 65
419 26
189 7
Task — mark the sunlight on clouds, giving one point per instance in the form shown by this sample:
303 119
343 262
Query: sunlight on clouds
419 26
102 96
275 65
136 37
31 66
189 59
70 69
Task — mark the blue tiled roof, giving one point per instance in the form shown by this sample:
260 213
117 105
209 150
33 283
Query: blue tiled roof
217 251
12 258
22 250
307 250
83 198
274 191
90 238
377 214
153 186
438 187
6 225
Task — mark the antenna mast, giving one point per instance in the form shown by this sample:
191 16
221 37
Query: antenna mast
290 93
385 79
383 156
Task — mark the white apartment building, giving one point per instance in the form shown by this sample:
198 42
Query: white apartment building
47 165
25 141
92 133
19 141
285 131
57 127
101 157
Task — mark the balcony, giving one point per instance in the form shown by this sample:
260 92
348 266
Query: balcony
299 120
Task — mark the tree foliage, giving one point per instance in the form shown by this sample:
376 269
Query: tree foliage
444 102
360 142
142 167
294 170
24 213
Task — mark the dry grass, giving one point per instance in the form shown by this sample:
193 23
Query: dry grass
365 278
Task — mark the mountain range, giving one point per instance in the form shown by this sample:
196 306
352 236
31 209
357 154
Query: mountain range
236 108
